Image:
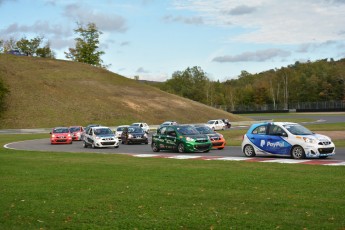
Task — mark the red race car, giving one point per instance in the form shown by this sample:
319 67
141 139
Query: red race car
60 135
76 132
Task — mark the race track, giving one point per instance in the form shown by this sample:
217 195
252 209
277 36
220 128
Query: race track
228 153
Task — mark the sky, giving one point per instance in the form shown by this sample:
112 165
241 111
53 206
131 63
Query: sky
153 39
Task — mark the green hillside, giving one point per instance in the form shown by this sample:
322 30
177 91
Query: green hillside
46 93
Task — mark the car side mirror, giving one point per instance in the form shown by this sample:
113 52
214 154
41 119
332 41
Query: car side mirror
284 134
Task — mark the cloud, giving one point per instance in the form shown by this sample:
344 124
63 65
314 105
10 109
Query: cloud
185 20
126 43
272 21
105 22
311 47
240 10
142 70
39 27
258 56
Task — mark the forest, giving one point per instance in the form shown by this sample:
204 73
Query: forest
276 89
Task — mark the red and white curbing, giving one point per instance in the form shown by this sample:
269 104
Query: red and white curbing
265 160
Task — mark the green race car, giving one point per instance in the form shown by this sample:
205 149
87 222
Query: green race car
181 138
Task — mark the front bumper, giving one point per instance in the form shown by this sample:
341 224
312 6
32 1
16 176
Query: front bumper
61 140
107 142
138 140
318 151
198 147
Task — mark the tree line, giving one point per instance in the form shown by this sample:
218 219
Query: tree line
322 80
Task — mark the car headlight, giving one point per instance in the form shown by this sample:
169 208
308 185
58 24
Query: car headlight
189 139
145 135
309 140
130 136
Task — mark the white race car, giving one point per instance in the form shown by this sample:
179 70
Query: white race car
286 138
98 137
216 124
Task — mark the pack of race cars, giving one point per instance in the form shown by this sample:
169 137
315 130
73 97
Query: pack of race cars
268 138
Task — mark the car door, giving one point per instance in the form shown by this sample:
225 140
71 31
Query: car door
159 138
258 137
275 142
89 136
170 138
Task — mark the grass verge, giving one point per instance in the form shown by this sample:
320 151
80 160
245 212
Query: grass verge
45 190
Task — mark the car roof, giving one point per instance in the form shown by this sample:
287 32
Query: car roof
273 123
100 127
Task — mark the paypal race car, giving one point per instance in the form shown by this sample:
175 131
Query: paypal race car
286 138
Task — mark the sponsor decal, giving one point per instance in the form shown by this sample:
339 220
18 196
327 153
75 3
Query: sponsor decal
275 144
278 144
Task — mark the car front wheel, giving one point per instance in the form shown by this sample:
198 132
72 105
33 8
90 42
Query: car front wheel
84 144
297 152
180 148
155 147
249 151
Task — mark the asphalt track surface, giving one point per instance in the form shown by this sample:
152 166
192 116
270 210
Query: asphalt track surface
142 149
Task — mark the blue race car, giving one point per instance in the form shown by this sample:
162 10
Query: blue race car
287 139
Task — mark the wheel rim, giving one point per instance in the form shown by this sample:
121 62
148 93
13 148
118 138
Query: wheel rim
154 147
297 152
180 148
248 151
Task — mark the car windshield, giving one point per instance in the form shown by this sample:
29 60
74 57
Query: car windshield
205 130
120 128
135 130
74 129
135 124
103 131
61 130
187 130
210 122
298 129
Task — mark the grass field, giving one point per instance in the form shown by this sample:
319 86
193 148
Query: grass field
45 190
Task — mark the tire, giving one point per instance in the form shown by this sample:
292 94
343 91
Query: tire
84 144
93 145
220 148
249 151
116 147
180 148
297 152
206 151
323 157
155 147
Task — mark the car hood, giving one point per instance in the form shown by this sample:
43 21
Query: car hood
60 134
316 136
213 135
137 133
197 136
106 135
